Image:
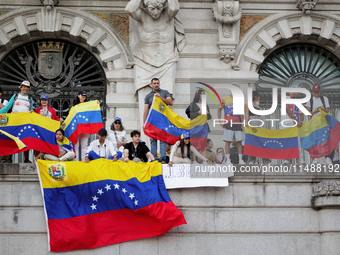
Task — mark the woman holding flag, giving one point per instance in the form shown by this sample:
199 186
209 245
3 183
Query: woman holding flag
83 139
194 109
66 149
180 153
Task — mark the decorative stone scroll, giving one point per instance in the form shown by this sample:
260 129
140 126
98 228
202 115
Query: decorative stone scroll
306 6
228 15
327 188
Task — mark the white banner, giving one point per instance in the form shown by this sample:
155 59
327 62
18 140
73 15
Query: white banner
178 176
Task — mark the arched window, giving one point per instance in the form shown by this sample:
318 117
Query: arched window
56 68
301 65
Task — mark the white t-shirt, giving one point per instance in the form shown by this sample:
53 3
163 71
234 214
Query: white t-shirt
21 104
296 113
318 103
121 136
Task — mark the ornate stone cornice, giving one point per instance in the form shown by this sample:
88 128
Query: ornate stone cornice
251 46
16 28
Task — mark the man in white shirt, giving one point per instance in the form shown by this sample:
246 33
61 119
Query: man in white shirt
101 148
292 117
20 102
318 102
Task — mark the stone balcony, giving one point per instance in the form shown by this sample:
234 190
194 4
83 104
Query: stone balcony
270 213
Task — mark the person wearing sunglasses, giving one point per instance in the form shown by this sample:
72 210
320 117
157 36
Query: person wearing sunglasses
117 134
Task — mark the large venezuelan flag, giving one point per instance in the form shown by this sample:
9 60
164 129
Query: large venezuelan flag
320 135
88 205
165 125
84 118
271 143
35 131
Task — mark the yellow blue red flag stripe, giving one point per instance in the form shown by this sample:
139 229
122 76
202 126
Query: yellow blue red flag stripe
320 135
84 118
35 131
270 143
99 203
165 125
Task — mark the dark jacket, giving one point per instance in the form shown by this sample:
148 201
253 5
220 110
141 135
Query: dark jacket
192 112
193 109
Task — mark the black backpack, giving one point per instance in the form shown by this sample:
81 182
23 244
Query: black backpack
322 100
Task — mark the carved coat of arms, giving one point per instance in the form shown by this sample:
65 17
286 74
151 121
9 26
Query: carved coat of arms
50 59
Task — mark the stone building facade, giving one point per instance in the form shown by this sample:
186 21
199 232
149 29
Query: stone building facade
230 40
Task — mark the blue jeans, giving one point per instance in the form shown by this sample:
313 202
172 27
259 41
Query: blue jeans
92 155
154 149
337 162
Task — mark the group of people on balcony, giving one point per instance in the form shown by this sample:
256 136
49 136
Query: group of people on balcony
114 144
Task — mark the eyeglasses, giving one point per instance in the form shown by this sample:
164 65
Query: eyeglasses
220 152
118 122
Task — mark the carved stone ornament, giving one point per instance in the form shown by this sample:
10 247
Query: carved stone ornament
227 55
49 4
306 6
327 188
228 15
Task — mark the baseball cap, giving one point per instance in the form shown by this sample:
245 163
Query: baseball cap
183 136
102 132
117 118
44 97
82 92
26 83
316 88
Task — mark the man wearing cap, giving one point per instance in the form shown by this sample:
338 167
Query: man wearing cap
101 148
318 102
166 98
20 102
47 111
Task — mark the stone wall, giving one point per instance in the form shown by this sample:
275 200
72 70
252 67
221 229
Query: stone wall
256 214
